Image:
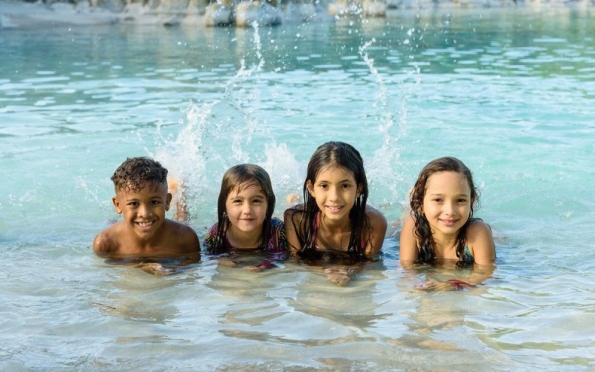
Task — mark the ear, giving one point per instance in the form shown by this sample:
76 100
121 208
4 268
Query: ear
360 189
116 204
168 201
310 188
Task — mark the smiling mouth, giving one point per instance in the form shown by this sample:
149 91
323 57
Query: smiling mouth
334 208
145 224
449 222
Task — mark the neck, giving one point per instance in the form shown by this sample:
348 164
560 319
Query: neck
242 239
341 226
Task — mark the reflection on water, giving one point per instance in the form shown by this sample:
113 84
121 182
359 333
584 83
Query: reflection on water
510 91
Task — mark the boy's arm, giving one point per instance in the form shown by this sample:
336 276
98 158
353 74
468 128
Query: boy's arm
293 242
408 243
378 225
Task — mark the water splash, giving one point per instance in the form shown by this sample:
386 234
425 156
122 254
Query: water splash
213 137
286 172
383 168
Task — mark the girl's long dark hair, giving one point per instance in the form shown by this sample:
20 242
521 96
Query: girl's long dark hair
343 155
423 233
240 177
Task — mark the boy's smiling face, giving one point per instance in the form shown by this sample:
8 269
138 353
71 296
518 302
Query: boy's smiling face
144 209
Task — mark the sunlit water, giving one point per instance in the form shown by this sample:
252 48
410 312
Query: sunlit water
510 92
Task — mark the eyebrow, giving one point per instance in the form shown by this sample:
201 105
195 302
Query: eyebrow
237 196
440 194
342 181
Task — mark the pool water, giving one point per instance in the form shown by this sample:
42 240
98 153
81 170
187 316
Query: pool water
511 92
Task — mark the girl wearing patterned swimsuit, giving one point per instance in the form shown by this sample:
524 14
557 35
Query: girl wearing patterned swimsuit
245 223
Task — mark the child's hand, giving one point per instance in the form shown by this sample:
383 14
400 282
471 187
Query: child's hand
155 268
460 284
255 269
449 285
227 262
339 275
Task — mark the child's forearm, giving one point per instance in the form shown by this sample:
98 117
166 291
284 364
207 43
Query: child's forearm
480 273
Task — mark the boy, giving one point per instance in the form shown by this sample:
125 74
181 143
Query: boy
142 197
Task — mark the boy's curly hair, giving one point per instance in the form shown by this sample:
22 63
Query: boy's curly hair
137 173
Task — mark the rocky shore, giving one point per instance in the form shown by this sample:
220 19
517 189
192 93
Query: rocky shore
25 14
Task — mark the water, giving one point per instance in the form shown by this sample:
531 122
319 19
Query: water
511 92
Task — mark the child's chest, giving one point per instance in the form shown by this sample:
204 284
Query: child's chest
336 241
446 253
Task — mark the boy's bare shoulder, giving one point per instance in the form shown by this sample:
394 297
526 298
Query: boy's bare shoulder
185 235
107 241
179 228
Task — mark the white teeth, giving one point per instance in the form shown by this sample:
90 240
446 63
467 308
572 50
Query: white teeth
145 224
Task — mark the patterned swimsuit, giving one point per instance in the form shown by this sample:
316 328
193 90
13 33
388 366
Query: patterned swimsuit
275 249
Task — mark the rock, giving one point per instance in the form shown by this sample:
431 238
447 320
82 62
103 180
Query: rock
374 8
264 14
217 14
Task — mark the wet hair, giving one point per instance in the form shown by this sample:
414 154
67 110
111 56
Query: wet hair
240 177
342 155
137 173
423 232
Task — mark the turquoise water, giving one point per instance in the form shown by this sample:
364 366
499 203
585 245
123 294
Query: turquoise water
510 92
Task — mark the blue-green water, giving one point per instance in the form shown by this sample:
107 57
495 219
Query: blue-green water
510 92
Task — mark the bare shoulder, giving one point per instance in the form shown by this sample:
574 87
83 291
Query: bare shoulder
297 209
408 227
408 252
378 226
290 214
481 242
292 226
377 219
478 229
184 235
107 241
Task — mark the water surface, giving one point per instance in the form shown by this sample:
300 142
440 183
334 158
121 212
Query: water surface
511 92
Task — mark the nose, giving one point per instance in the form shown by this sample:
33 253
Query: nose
332 194
449 208
246 208
145 211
